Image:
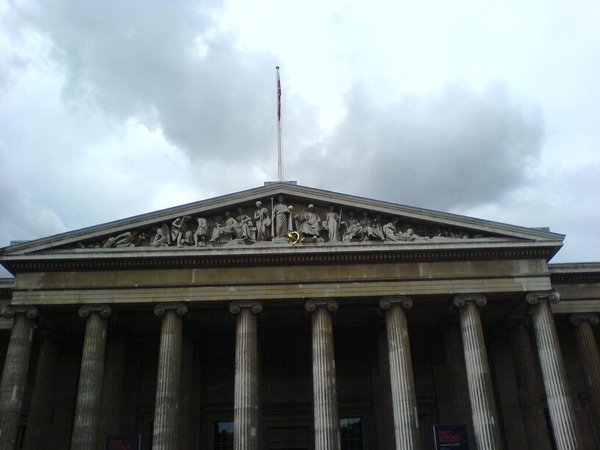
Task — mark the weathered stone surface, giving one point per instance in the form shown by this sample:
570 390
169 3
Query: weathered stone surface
406 420
14 375
247 402
87 412
562 414
169 376
327 424
481 392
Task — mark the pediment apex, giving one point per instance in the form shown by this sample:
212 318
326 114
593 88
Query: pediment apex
423 223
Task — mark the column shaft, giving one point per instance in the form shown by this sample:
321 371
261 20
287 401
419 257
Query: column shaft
406 420
89 394
14 375
485 417
562 414
455 358
530 388
42 399
327 423
189 381
246 414
169 375
590 358
110 421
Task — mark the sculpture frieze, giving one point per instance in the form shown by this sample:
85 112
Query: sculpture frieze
257 224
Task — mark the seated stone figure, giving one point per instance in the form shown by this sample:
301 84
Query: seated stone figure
162 236
244 228
309 224
226 231
371 229
353 228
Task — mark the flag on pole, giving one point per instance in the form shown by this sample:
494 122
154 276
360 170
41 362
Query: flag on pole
278 95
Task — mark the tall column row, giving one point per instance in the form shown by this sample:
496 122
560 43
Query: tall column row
247 420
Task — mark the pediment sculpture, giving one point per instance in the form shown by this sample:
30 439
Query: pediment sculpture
281 224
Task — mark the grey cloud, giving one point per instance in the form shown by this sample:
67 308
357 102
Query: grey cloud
457 147
167 63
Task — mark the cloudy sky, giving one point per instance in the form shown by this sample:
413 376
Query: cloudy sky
114 108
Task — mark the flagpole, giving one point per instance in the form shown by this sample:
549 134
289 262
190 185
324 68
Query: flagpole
279 141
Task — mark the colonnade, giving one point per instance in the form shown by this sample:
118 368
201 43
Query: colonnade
247 417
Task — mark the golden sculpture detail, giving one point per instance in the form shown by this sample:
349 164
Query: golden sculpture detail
294 237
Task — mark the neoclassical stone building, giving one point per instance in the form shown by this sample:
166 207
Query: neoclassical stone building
285 317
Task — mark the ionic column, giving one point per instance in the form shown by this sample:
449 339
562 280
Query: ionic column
530 387
562 414
42 399
169 374
327 423
246 413
485 417
89 393
14 376
406 420
590 358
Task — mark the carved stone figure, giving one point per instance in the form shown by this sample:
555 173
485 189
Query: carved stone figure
244 228
371 229
276 224
201 234
127 239
180 233
353 228
263 222
309 224
281 222
162 237
226 231
332 224
392 233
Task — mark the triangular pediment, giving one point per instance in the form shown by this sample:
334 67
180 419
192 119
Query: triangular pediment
320 218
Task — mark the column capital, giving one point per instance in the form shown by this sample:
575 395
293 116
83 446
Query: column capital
103 310
312 305
387 302
533 298
576 319
236 307
31 312
161 308
461 300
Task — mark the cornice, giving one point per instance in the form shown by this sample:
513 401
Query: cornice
575 273
296 256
